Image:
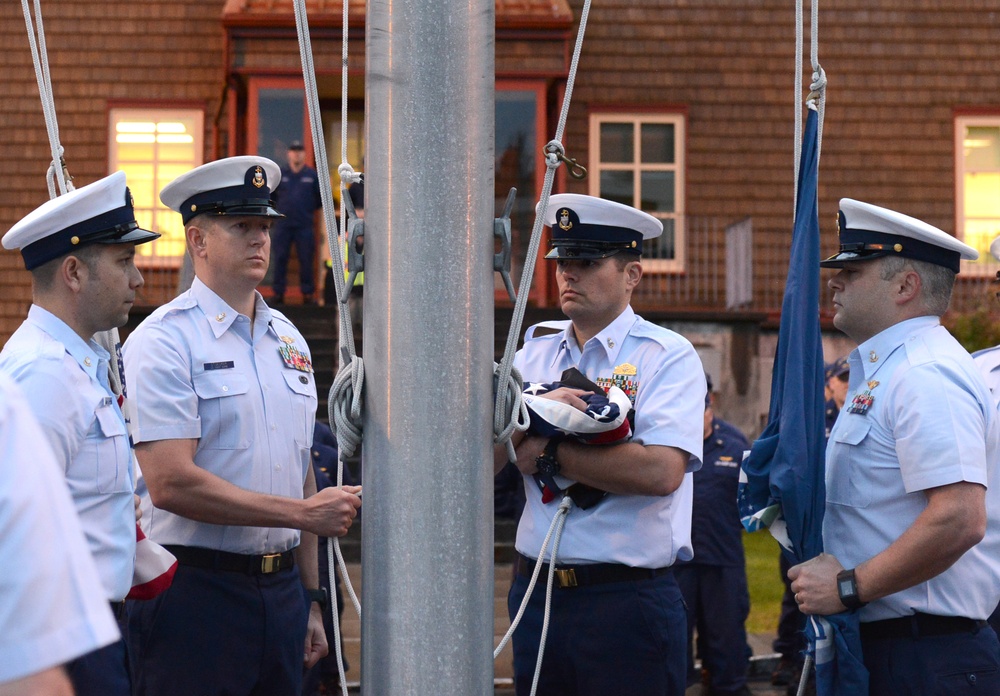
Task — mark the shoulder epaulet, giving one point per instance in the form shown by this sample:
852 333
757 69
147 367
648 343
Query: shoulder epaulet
545 329
178 304
654 332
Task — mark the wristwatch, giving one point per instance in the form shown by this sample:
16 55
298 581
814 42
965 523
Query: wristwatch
847 588
546 462
319 596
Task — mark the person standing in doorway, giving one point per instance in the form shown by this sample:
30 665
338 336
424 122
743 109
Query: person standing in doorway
298 200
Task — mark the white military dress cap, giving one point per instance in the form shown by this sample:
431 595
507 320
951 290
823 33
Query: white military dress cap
98 213
586 227
231 186
870 232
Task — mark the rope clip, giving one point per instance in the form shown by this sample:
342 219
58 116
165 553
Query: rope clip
555 149
501 231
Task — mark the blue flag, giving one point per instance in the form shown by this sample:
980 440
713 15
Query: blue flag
784 472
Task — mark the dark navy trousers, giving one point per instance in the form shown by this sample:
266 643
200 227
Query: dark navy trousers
218 632
717 604
613 638
955 663
282 238
105 671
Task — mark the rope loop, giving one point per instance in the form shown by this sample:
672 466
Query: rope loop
347 173
512 413
555 153
344 405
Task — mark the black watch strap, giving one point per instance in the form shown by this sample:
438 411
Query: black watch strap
318 595
546 462
847 588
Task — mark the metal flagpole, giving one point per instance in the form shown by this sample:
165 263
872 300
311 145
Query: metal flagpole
427 547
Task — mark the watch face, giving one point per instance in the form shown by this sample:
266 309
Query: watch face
845 587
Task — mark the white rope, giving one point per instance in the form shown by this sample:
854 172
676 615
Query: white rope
345 398
555 527
817 88
509 413
56 172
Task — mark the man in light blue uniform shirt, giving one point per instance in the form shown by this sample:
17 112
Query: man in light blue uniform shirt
225 401
617 612
53 607
80 249
912 487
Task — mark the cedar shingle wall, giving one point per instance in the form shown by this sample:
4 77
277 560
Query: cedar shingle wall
98 51
896 77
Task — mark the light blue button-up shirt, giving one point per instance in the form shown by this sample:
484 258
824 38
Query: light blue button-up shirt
195 371
53 605
662 374
930 421
64 380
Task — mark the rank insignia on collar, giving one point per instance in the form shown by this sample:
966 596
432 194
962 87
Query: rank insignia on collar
626 369
864 400
872 356
295 359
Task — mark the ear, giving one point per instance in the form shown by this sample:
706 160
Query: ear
909 286
197 238
73 272
633 273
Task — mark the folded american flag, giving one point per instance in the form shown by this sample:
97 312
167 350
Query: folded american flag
605 420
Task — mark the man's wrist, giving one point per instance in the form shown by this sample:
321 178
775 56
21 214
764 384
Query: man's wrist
318 596
847 589
547 462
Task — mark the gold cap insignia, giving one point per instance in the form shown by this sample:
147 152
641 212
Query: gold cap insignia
625 369
258 177
564 223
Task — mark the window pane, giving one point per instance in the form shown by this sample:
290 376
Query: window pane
517 151
617 186
979 234
982 148
982 195
281 118
661 247
617 142
658 143
658 194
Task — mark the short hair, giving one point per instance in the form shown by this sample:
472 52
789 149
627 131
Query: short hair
43 277
937 281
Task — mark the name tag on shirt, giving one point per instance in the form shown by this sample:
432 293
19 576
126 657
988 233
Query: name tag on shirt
219 365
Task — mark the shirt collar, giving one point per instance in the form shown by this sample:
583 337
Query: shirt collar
220 315
88 354
612 336
874 352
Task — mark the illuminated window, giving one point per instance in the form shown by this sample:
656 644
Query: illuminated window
153 147
638 160
977 178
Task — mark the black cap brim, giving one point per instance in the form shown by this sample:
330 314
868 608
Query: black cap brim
839 259
136 236
573 252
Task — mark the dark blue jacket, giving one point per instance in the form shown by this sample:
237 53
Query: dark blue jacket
297 197
716 530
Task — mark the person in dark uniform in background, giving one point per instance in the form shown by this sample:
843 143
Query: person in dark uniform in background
714 582
791 641
324 677
298 200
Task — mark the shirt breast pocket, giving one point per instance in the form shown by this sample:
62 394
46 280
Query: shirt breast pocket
847 485
107 446
302 393
220 397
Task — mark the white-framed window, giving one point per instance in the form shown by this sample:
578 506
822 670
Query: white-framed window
638 159
977 184
153 146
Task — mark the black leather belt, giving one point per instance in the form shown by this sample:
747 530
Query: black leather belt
234 562
589 574
917 625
